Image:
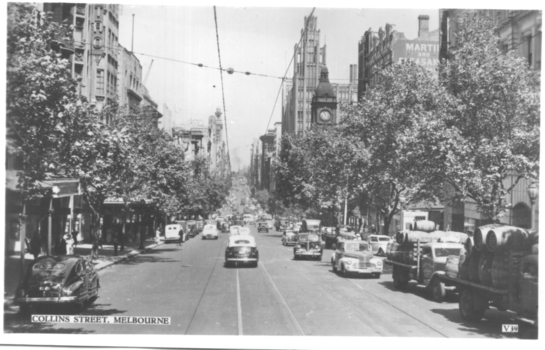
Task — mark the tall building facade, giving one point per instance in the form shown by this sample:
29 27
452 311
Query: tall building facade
309 60
377 50
267 151
216 144
130 86
519 31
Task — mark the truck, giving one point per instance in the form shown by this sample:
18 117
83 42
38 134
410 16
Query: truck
427 263
520 295
406 218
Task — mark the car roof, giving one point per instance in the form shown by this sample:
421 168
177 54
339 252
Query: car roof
246 238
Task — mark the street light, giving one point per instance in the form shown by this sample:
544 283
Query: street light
533 191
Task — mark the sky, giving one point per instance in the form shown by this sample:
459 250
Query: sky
255 39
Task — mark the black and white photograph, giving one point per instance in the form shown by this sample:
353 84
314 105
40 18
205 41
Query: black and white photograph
272 175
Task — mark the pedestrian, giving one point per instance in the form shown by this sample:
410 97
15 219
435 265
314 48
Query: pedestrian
69 242
75 237
181 236
121 237
158 234
36 244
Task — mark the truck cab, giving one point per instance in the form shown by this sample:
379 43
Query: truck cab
434 258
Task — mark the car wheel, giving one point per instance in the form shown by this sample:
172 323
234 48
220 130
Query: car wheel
80 306
376 275
468 311
255 264
319 258
399 283
295 257
343 270
438 290
95 297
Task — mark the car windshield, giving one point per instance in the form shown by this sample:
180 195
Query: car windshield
356 247
242 241
309 238
210 227
442 252
49 269
384 239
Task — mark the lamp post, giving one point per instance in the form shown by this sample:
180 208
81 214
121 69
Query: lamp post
532 193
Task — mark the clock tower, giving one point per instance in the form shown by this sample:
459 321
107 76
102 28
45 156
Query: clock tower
324 102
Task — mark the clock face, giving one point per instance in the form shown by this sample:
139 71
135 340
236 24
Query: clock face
325 115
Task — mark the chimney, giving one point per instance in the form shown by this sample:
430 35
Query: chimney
423 27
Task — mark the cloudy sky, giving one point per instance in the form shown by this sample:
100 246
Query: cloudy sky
255 39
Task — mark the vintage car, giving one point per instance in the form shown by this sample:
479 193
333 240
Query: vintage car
289 238
172 233
244 231
248 219
308 245
355 257
379 243
225 227
241 249
200 225
234 230
192 229
297 226
262 227
210 232
54 280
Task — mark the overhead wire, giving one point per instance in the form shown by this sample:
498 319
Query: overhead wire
287 69
222 91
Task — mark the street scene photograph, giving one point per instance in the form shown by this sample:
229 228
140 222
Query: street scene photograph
303 174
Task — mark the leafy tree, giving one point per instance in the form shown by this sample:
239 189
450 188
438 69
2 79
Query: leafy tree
393 123
492 133
262 198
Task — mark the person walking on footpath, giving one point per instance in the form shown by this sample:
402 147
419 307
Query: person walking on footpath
181 236
158 234
94 248
36 245
69 241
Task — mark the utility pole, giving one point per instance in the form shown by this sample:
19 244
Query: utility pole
132 39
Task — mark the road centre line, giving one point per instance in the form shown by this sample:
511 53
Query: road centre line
293 319
239 309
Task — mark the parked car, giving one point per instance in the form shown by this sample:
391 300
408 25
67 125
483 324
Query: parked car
355 257
234 230
262 227
200 225
172 233
379 243
241 249
192 228
56 280
210 232
289 238
308 245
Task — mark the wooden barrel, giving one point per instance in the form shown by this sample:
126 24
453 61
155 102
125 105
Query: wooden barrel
391 249
449 236
463 267
452 266
504 238
415 236
485 267
474 266
400 237
500 268
480 234
424 225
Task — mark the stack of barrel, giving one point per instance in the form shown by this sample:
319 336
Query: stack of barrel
404 249
487 254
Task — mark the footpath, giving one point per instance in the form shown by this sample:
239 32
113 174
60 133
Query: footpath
106 258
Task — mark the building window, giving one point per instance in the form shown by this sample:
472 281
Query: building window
100 82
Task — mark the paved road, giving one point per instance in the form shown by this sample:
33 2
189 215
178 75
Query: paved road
281 296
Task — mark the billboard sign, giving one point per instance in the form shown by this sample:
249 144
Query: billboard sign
424 53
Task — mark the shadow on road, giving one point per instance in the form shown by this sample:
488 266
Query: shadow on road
491 324
148 257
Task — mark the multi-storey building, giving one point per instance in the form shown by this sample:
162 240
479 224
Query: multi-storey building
267 151
215 142
377 50
275 154
130 86
519 31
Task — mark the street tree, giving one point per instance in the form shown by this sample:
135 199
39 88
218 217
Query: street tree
393 123
492 131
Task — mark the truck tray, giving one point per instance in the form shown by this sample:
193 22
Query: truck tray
390 262
460 282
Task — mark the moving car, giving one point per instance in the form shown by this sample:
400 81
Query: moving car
248 219
379 243
262 227
241 249
210 232
289 238
308 245
172 233
355 257
55 280
192 229
297 226
234 230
